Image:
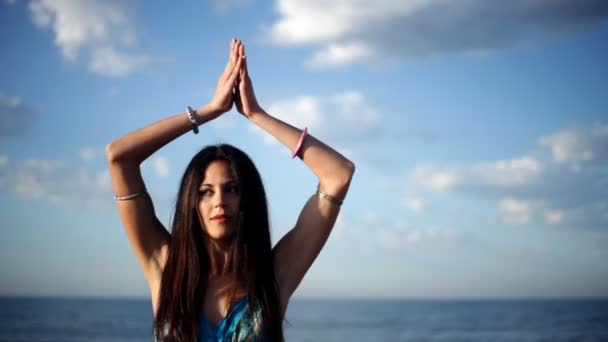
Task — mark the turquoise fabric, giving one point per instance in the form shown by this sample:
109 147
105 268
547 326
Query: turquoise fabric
237 326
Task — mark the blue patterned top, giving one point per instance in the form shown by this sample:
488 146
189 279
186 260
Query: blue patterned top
237 326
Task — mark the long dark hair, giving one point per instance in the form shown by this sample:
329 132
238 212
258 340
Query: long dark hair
250 260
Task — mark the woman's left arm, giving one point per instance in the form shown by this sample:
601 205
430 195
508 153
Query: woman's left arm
332 169
297 250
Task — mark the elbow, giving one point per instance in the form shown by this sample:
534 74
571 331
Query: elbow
339 180
117 152
345 174
111 154
350 171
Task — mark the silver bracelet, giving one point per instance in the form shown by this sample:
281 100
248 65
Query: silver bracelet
192 119
128 197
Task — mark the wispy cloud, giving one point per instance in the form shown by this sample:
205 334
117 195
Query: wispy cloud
496 174
560 182
55 181
157 164
75 184
161 166
342 118
88 153
370 231
15 116
103 28
384 31
414 204
578 146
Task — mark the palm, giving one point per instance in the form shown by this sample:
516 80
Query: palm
223 97
244 96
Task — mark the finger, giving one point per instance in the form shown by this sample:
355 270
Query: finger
235 71
244 55
231 57
244 67
238 45
232 48
235 48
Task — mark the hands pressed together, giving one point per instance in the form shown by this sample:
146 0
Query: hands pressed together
234 85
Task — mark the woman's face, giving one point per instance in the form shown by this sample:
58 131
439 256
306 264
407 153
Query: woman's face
219 201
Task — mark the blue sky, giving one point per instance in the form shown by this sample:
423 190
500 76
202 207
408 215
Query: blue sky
479 132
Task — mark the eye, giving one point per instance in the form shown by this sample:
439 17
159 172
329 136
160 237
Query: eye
232 189
204 192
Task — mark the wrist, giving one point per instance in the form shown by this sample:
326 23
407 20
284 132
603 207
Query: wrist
207 113
256 114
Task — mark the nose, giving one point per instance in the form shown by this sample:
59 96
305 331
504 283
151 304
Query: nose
219 199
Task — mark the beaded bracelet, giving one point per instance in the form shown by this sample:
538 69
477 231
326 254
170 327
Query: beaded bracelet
192 119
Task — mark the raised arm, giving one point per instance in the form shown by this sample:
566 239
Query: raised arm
297 250
145 232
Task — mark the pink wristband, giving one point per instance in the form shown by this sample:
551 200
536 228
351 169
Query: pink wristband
297 150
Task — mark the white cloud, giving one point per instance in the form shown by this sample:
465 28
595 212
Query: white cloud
517 210
514 206
554 216
87 153
370 231
56 182
578 145
342 117
400 235
301 111
99 26
70 185
161 166
539 187
500 173
340 54
414 204
352 31
108 61
431 177
508 172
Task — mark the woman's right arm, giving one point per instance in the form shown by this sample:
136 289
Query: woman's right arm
148 237
145 232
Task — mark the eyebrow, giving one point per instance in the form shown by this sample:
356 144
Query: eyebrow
230 182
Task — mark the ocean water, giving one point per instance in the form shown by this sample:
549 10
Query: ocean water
55 319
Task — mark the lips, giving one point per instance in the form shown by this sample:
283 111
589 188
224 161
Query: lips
220 218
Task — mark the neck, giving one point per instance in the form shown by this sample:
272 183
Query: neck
218 256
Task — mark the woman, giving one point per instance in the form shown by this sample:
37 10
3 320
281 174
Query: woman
216 277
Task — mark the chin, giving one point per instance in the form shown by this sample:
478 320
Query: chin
220 234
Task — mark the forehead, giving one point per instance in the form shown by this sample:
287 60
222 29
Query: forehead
219 172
